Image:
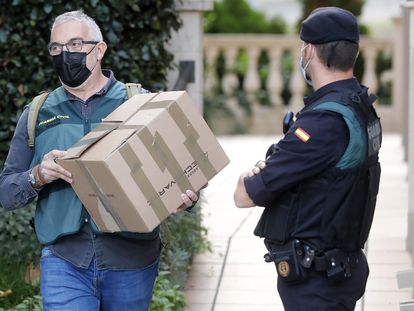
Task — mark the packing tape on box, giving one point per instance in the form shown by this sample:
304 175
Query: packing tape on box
143 182
106 126
102 197
98 133
190 134
164 157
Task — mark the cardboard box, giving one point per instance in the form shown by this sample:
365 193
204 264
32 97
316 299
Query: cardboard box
130 171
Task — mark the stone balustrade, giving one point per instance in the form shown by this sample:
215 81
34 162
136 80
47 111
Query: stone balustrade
267 118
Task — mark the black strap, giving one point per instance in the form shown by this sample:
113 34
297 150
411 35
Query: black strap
328 259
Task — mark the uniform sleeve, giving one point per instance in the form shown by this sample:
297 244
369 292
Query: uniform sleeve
315 142
15 188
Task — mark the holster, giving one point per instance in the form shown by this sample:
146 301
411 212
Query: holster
336 263
287 259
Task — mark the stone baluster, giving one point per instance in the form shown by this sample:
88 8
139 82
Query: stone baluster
230 81
370 78
252 81
211 75
275 81
297 85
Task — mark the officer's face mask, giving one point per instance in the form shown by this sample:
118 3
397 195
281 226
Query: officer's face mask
304 67
71 67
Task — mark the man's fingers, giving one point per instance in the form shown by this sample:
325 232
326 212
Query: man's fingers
261 164
189 197
256 170
186 200
61 171
57 153
51 173
49 170
192 195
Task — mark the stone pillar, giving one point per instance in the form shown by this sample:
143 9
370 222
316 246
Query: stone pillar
187 45
409 26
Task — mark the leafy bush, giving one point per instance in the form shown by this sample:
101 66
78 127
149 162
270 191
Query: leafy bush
17 238
135 31
28 304
12 280
167 295
236 16
184 237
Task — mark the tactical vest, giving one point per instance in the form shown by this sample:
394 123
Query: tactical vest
341 200
59 125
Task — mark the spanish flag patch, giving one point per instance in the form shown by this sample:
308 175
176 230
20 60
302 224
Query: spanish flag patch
302 135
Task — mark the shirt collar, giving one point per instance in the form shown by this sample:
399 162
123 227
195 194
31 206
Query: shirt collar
349 84
111 81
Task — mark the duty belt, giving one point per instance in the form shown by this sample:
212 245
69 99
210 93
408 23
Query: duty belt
336 263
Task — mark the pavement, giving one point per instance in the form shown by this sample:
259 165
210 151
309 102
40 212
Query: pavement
233 276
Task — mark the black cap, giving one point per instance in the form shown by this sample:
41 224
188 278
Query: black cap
329 24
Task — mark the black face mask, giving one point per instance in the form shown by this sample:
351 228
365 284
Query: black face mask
71 67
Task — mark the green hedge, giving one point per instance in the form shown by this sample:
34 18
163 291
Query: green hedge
135 32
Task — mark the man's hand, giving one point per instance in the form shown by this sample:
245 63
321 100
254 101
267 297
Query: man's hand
189 198
257 168
48 170
241 197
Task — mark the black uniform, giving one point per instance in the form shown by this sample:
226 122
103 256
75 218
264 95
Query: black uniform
319 190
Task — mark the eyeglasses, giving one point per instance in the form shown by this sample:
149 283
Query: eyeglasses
73 45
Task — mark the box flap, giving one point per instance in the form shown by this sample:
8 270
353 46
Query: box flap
108 144
129 108
89 139
173 95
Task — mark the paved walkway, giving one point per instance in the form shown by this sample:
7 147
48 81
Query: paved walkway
234 276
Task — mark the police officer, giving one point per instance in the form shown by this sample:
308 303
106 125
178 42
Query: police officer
318 185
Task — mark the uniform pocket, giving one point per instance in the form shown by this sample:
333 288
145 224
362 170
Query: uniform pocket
276 221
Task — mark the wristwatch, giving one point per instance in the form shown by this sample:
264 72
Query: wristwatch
32 178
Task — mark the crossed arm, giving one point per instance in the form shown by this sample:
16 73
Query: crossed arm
241 197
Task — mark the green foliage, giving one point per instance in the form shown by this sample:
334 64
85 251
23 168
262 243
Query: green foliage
28 304
184 238
17 238
354 6
135 32
19 249
236 16
384 65
167 295
12 277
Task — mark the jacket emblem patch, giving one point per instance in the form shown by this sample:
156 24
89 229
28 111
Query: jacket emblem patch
302 135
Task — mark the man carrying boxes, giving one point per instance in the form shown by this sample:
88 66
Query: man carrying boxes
131 171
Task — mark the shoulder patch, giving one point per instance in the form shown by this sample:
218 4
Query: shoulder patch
302 135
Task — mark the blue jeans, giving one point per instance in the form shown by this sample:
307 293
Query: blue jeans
67 287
